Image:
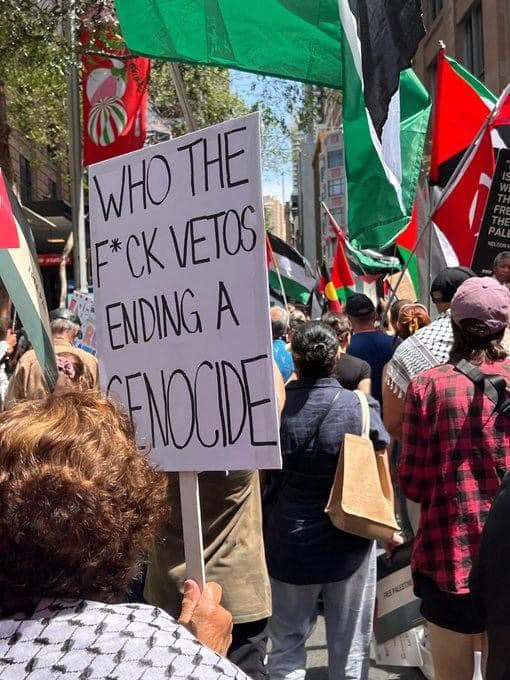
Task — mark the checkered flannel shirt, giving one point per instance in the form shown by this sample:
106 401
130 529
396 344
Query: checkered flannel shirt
454 446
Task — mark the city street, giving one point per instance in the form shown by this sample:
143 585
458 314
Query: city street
317 661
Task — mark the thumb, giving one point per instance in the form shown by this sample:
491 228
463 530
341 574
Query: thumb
189 601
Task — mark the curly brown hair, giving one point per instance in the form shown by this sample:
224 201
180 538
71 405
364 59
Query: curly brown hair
79 503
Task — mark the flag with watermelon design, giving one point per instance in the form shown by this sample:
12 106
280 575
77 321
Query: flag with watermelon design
289 272
115 91
461 105
22 279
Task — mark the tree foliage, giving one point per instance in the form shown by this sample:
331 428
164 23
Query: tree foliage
208 92
34 62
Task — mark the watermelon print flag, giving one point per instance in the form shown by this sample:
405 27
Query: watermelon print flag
115 98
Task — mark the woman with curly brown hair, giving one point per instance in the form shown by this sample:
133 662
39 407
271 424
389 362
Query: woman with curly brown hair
79 506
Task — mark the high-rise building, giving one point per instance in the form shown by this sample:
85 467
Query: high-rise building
475 32
330 183
274 215
303 197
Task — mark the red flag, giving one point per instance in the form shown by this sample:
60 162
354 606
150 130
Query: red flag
461 106
115 96
269 251
460 213
341 272
8 230
333 225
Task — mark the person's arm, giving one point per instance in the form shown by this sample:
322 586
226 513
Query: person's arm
365 378
393 407
414 470
365 386
279 386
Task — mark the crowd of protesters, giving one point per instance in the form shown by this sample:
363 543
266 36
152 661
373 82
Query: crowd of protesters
92 571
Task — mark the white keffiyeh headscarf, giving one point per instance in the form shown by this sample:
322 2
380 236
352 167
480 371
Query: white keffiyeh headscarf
428 347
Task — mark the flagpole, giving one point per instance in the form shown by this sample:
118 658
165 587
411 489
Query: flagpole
183 97
75 157
275 265
449 184
189 487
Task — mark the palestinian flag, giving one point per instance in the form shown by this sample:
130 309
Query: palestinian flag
362 48
461 106
295 40
405 245
383 153
363 263
289 272
22 278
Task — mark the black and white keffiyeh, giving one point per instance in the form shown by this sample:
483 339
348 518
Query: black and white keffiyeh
85 640
427 348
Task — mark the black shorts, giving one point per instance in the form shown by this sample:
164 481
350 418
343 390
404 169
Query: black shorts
447 610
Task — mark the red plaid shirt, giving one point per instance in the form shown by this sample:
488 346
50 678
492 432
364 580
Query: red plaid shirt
453 446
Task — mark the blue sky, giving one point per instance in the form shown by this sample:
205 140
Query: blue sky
248 87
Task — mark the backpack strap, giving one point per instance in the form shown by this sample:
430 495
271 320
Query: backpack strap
494 387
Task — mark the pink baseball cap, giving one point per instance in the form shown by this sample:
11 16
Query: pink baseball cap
486 302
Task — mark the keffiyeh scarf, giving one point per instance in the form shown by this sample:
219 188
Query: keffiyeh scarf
429 347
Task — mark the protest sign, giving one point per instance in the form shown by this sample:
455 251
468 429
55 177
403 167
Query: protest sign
181 298
494 236
82 304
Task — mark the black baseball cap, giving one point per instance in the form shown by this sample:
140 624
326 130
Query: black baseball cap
445 285
65 314
359 305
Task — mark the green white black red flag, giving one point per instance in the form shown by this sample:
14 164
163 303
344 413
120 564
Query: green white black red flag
22 279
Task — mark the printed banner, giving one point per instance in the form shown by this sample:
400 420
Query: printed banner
181 298
115 96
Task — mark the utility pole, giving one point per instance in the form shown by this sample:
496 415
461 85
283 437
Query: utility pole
75 156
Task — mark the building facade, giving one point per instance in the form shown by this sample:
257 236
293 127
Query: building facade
475 32
41 180
274 215
303 194
330 185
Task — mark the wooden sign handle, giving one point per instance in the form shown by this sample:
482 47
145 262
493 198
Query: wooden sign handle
192 527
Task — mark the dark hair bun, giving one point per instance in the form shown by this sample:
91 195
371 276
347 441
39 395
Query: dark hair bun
315 347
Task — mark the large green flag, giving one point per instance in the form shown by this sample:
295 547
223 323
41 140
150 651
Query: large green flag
295 39
382 178
382 166
356 46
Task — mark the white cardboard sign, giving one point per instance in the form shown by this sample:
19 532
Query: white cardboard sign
183 330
